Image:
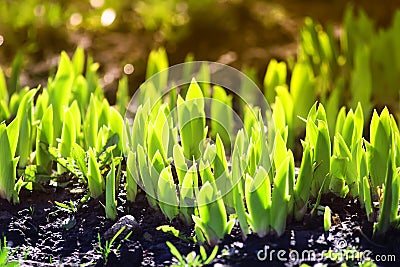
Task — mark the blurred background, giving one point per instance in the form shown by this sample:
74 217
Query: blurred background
120 34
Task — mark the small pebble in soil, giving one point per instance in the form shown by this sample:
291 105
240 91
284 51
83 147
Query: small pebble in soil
130 224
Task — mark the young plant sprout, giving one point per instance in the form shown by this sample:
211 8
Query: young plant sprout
192 122
327 218
8 161
111 202
212 221
69 129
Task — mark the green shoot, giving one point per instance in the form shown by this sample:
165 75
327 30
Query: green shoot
192 259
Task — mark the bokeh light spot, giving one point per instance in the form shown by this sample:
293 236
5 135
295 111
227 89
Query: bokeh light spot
129 69
108 17
75 19
96 3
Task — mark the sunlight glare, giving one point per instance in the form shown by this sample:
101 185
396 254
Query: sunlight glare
108 17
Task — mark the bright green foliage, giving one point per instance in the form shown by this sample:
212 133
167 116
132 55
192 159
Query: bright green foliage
15 72
157 165
251 158
92 80
221 174
3 88
192 122
42 103
288 105
278 116
91 124
210 152
95 180
4 98
80 93
259 149
60 91
145 171
8 162
280 198
250 118
132 176
50 120
333 103
327 218
103 108
5 254
76 114
139 127
361 80
157 62
68 136
206 173
317 135
122 95
238 191
280 154
280 151
302 93
385 216
303 183
212 219
44 139
158 135
188 193
25 115
116 124
378 147
348 154
364 61
102 137
203 77
4 111
367 198
179 162
275 76
265 148
111 202
15 100
192 259
222 115
167 195
78 60
80 158
258 199
59 125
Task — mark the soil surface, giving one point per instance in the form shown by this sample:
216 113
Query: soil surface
42 234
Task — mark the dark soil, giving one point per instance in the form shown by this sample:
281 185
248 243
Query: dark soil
43 235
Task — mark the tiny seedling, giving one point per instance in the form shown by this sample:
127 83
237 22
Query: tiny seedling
70 208
175 232
32 210
5 254
105 250
191 259
327 219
